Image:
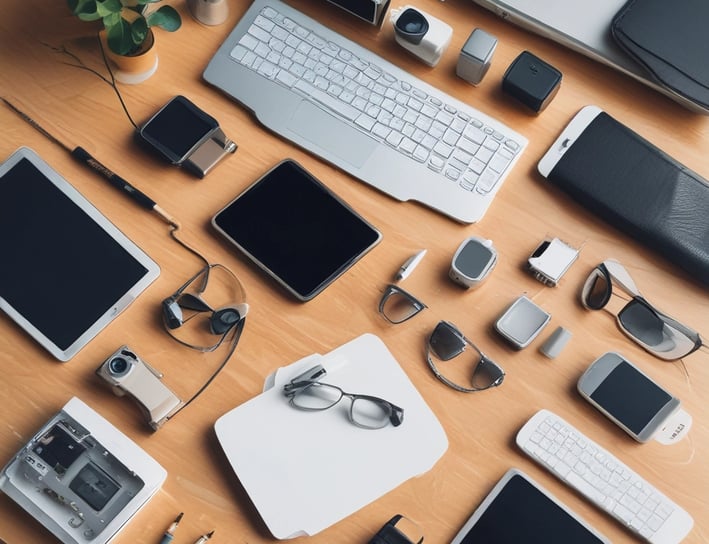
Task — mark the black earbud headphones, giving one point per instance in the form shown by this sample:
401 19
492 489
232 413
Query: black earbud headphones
221 320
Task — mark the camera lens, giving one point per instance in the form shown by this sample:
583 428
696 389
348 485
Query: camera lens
118 366
411 25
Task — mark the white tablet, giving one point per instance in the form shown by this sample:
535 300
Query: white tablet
66 271
520 510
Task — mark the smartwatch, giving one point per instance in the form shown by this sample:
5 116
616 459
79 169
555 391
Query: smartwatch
186 136
472 262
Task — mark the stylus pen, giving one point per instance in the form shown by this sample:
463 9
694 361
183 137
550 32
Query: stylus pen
408 267
204 538
85 158
170 533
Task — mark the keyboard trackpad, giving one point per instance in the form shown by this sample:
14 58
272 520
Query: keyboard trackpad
331 134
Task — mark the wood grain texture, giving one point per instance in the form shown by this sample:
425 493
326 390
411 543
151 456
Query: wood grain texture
83 110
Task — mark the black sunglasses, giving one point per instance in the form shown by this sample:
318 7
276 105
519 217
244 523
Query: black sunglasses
446 343
656 332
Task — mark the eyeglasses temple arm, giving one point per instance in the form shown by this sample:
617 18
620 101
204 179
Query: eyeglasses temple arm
621 276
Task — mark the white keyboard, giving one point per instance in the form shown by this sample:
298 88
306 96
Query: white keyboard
364 114
603 479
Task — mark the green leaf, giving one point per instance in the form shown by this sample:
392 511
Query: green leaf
111 19
138 31
119 38
108 6
86 10
166 18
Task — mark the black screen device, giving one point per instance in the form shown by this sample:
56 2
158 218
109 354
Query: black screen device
66 270
626 396
296 229
372 11
177 129
623 384
518 510
633 185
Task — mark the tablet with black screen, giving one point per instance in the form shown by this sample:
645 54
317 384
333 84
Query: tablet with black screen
296 229
518 510
66 270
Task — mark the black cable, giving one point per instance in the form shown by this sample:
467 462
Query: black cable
235 341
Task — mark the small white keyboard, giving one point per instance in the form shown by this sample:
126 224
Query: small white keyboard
603 479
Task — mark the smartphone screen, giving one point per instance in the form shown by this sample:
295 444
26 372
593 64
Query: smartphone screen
626 395
630 397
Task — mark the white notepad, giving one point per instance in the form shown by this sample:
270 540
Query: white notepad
305 471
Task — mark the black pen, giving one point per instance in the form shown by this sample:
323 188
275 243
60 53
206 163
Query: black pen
170 532
204 538
85 158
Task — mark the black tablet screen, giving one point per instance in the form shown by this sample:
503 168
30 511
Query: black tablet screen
296 229
60 270
521 513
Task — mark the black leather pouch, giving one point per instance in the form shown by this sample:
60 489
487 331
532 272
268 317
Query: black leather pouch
670 40
638 188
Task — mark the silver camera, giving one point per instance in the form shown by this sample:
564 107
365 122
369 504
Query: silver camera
129 375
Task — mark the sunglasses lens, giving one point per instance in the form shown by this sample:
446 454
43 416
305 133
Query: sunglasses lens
597 290
445 342
642 322
487 374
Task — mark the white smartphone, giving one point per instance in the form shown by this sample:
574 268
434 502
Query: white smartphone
627 396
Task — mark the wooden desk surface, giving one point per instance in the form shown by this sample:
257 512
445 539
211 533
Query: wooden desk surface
83 110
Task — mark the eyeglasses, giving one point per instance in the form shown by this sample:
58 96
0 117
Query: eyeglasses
658 333
306 392
398 305
446 343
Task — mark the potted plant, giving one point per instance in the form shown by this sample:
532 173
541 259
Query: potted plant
128 29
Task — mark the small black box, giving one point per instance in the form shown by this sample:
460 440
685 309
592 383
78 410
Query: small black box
531 81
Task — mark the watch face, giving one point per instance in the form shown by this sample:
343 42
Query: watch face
474 258
177 129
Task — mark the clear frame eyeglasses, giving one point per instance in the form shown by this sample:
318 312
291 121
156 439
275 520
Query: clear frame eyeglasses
445 344
306 392
398 305
657 333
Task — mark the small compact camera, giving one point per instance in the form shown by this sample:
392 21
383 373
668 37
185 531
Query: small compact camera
421 33
129 375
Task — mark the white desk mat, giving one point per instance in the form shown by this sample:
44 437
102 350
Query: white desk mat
305 471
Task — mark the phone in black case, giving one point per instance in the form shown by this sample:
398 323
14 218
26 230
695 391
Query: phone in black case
635 186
